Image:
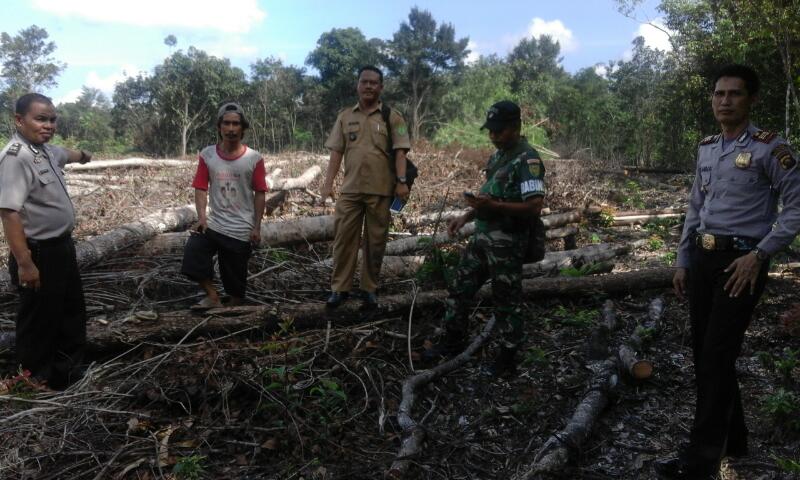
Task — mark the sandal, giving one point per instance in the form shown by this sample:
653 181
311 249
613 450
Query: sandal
205 304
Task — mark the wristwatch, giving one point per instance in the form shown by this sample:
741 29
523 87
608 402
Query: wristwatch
761 255
401 179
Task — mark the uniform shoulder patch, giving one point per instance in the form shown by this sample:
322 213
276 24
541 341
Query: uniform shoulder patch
784 156
709 139
14 149
764 136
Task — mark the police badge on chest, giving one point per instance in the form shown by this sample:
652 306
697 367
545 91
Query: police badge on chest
743 160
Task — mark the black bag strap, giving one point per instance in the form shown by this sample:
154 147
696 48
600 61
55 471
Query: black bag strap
386 112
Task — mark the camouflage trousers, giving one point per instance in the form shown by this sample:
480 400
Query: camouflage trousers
495 255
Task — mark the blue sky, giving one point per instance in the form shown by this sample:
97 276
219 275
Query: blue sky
101 41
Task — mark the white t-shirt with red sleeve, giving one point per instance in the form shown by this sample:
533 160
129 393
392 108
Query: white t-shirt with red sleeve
231 183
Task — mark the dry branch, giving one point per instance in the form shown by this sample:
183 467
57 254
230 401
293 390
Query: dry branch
413 434
556 451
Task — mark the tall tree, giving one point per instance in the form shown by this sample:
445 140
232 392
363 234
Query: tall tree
338 56
278 92
421 54
27 64
188 87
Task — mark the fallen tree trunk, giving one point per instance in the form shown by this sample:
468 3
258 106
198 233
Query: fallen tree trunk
413 434
554 262
303 181
92 250
652 211
563 232
420 242
597 347
557 450
642 219
273 234
127 163
172 326
641 368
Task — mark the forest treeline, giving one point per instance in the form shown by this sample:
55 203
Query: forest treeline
650 109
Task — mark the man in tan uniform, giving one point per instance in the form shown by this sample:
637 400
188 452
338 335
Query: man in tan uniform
374 172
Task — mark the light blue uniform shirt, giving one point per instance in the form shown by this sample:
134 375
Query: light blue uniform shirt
736 191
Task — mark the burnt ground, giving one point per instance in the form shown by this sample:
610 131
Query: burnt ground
322 404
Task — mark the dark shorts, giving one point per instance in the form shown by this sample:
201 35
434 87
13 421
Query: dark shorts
233 255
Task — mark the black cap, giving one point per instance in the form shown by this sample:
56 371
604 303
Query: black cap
231 107
500 115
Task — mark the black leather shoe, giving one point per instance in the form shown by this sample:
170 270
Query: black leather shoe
336 299
677 468
370 301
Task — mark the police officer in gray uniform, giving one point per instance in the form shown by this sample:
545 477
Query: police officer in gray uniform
732 229
38 218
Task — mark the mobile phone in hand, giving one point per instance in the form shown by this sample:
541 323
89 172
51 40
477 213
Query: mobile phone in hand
397 205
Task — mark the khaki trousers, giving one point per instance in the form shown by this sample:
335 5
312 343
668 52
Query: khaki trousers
356 212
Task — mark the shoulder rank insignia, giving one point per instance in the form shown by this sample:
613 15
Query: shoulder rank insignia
784 156
13 149
709 139
764 136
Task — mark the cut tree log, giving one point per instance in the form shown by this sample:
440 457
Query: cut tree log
557 450
127 163
642 219
92 250
401 266
273 234
413 434
173 326
301 182
421 242
638 368
597 347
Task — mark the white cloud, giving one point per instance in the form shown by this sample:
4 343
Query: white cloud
601 70
105 84
655 35
68 97
556 30
234 16
473 55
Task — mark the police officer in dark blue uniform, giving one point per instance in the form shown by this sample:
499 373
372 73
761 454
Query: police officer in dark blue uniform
38 218
732 229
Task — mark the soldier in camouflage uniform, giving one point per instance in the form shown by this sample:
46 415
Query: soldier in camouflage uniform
512 193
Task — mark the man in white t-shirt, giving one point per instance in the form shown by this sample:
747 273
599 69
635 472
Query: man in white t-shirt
231 181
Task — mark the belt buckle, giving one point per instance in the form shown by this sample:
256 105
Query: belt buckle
709 242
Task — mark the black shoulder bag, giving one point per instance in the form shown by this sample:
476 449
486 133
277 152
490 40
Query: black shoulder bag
411 169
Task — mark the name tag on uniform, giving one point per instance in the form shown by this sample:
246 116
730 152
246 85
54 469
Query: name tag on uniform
743 159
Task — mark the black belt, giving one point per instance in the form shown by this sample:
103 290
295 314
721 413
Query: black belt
49 241
720 243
